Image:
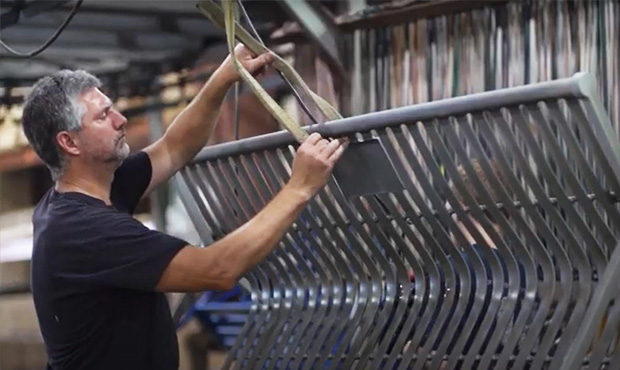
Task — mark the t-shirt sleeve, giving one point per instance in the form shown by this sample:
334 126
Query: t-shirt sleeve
130 182
116 250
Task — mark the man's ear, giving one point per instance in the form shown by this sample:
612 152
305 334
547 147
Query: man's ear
68 142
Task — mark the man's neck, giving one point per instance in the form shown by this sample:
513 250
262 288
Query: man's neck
95 183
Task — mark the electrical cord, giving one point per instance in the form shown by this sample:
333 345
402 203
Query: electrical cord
51 39
257 36
236 112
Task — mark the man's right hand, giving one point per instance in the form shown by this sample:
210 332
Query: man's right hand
314 163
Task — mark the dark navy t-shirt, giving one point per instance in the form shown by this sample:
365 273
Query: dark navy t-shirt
94 272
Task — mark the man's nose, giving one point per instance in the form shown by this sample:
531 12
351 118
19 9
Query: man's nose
119 120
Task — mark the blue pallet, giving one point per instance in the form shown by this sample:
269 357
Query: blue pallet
222 313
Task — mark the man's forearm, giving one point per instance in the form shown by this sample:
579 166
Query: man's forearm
252 242
221 264
224 262
191 129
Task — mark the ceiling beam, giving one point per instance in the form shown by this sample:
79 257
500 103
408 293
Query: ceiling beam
168 24
394 15
20 33
92 52
321 29
161 22
35 7
87 21
185 9
21 9
410 12
104 40
9 18
99 26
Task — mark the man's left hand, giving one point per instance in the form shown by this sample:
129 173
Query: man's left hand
256 65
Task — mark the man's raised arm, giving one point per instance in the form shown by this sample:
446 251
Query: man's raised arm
191 129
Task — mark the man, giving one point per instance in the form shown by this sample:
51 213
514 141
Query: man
98 275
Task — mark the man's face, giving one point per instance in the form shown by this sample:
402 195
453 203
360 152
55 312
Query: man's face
102 136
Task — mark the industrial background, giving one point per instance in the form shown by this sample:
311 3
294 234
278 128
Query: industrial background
360 55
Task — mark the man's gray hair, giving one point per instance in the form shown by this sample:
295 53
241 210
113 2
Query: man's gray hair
52 107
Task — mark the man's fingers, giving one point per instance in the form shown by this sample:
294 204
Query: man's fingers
337 154
242 51
260 63
330 148
314 138
322 144
343 143
267 58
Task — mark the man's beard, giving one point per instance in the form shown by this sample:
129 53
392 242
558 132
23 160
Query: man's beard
121 153
124 151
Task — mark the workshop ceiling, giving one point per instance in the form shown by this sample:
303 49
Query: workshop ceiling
133 40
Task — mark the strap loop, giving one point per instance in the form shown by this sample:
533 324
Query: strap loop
225 19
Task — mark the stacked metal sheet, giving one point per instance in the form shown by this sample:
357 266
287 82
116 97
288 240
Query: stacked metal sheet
510 44
476 240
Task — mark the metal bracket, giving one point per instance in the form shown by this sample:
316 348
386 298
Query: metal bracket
366 169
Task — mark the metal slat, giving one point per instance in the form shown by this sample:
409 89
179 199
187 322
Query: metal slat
492 270
254 346
226 172
260 283
595 252
346 265
254 315
574 253
510 297
188 176
523 255
540 334
353 335
321 262
454 294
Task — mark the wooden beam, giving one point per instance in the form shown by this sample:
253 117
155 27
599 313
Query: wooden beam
19 159
389 16
412 12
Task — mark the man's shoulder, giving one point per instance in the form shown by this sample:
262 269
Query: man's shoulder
55 206
71 216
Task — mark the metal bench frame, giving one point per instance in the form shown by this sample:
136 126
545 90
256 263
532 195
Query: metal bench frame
338 293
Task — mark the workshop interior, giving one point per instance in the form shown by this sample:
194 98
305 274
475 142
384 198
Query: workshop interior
472 223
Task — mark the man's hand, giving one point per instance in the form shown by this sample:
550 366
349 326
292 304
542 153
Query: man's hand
254 64
314 163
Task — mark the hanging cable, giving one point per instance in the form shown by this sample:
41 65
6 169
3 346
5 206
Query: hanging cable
236 112
51 39
255 34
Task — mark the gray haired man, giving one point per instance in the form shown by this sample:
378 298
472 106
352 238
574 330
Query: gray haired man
98 275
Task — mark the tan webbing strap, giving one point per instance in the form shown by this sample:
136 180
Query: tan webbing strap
225 19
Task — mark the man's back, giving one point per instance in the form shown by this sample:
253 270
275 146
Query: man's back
94 272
